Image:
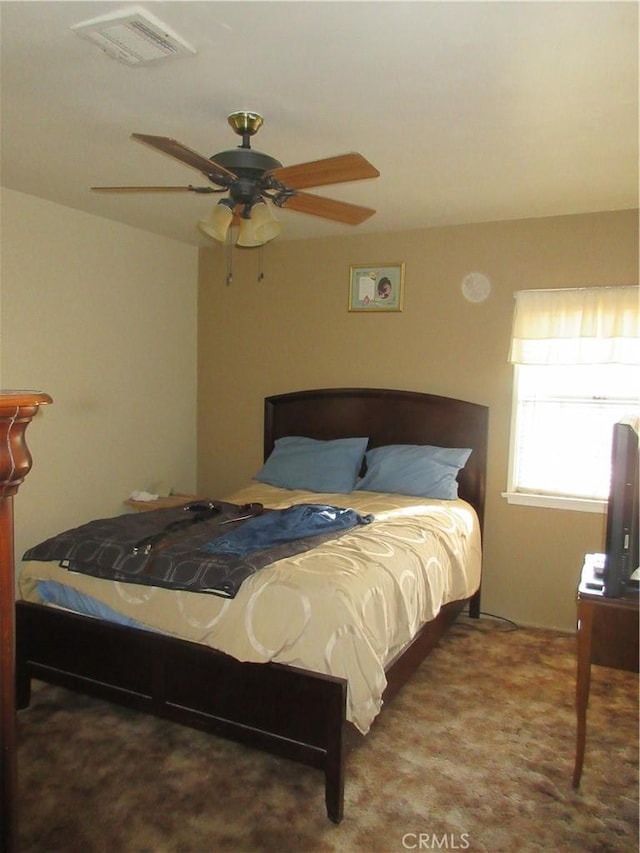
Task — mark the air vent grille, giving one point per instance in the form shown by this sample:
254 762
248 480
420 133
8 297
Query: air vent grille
134 36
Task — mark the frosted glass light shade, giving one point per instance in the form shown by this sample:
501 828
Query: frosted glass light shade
246 235
265 224
217 222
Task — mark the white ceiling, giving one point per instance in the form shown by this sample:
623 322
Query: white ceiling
472 111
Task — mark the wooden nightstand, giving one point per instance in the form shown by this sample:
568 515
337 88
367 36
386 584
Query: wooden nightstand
607 636
160 503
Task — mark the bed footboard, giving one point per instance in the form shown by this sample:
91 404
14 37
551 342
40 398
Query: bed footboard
286 711
283 710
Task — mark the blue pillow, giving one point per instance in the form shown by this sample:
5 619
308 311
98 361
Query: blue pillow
318 466
417 470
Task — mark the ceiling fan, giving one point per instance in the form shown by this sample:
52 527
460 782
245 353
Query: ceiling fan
255 182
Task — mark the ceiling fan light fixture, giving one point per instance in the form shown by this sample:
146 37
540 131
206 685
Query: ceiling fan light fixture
256 182
217 223
266 226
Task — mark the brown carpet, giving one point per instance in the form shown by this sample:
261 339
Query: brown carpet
475 753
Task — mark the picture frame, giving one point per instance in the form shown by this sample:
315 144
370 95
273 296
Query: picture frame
376 288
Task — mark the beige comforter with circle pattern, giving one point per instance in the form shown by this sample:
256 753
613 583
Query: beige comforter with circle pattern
344 608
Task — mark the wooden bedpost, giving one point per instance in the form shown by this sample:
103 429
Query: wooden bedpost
17 408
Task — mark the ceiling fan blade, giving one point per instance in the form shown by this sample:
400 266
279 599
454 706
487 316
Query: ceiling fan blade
331 170
328 208
153 189
216 173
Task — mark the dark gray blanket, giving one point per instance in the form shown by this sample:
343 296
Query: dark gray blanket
176 548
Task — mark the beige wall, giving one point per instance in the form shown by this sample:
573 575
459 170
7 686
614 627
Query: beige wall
292 331
103 318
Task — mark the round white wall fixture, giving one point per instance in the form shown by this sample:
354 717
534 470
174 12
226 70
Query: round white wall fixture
476 287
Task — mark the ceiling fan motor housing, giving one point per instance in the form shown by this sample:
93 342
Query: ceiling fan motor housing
249 165
246 162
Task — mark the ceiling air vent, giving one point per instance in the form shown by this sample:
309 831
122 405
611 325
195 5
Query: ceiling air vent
134 36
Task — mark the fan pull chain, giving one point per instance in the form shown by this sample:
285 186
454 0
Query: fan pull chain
261 262
229 258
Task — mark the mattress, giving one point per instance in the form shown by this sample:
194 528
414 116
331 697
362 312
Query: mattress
345 608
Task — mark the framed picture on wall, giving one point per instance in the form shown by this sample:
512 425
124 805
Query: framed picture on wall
378 287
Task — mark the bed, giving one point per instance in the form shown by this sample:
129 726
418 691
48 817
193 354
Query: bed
293 698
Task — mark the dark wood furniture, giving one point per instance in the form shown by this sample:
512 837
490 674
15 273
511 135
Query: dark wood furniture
290 712
607 636
17 409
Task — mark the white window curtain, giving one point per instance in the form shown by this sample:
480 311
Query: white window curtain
586 325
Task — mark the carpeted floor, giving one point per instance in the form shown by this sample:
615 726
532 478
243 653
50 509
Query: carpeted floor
476 753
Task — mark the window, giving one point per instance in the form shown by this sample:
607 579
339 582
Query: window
577 372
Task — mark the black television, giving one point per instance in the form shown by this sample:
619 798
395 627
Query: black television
621 543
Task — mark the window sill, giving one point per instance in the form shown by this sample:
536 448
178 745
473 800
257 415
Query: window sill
556 502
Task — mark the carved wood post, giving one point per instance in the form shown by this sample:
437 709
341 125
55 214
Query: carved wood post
17 408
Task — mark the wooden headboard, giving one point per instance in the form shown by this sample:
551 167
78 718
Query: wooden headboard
387 417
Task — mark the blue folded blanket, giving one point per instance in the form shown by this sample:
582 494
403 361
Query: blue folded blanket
285 525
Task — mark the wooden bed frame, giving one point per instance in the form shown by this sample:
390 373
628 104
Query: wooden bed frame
287 711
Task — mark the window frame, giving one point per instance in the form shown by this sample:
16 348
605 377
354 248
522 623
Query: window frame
572 326
547 500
